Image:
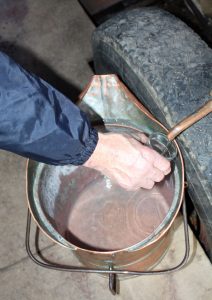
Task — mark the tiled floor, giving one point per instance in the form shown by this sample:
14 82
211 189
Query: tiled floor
52 39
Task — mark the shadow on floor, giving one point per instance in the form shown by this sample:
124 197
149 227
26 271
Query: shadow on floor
33 64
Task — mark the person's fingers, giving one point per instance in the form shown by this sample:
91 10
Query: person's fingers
129 184
166 172
161 163
141 137
121 178
157 160
156 175
148 184
129 188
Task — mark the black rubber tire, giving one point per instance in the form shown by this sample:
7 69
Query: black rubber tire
169 68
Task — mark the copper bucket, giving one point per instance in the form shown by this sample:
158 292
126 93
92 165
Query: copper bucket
82 210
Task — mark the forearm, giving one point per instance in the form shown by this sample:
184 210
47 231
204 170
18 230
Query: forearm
38 122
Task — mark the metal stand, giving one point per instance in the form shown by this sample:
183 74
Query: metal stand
111 272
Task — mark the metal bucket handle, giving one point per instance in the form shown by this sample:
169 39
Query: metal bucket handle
111 272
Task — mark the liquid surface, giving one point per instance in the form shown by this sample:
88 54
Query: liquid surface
96 214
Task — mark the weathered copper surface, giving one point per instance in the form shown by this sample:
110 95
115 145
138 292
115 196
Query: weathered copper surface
81 209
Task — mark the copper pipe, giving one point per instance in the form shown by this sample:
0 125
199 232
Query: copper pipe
187 122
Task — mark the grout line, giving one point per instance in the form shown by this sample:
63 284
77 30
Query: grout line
6 268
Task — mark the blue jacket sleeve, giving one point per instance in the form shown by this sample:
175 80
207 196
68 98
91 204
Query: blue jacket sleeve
38 122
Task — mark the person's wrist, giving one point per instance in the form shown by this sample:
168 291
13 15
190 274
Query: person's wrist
96 157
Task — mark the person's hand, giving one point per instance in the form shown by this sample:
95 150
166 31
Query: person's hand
127 162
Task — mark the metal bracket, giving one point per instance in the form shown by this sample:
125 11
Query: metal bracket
111 272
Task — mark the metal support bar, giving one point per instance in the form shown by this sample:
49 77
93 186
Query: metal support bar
112 282
112 273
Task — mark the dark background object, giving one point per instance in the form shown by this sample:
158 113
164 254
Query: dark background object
96 6
197 14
